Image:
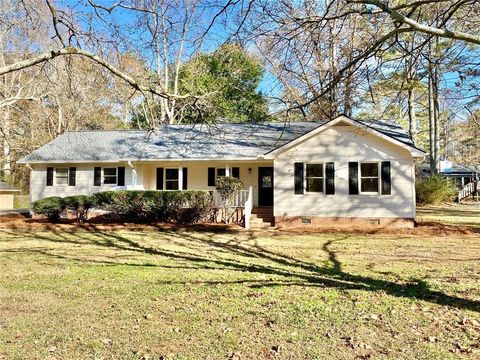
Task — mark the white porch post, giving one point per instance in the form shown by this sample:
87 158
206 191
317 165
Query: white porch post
180 178
227 170
134 175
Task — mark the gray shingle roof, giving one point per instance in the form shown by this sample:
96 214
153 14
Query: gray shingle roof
221 141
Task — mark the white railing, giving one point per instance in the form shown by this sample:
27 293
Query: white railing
242 199
467 190
238 201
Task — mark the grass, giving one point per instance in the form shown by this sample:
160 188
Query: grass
67 293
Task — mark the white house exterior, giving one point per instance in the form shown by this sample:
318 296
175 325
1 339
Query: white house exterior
306 173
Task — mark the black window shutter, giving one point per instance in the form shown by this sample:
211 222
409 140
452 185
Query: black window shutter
97 176
211 176
121 176
353 178
330 178
185 178
386 178
236 172
72 176
49 176
298 167
159 178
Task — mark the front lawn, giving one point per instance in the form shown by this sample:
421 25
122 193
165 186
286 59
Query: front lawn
69 293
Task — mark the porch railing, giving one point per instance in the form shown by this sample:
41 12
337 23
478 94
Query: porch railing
238 201
242 199
467 190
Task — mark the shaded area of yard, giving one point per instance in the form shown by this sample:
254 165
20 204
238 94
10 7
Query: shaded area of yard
148 293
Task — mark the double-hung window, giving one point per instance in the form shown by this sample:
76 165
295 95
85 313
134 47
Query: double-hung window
369 177
61 176
171 179
314 178
110 176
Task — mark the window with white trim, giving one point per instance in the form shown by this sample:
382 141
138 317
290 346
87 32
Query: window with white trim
171 179
221 172
61 176
110 176
314 178
369 177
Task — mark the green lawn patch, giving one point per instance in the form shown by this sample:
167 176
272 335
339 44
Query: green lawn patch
134 294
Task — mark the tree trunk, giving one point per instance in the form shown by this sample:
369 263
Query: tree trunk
412 116
333 70
7 165
436 112
431 120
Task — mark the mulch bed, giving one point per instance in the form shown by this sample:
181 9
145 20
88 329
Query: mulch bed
422 228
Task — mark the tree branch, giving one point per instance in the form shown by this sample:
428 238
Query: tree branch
74 51
416 26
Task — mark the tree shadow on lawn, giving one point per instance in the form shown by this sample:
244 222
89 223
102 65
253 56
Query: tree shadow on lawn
295 271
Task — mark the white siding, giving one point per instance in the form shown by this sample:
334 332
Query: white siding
146 177
342 144
84 181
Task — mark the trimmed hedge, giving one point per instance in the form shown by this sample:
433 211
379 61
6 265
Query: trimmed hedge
184 207
80 205
435 189
51 207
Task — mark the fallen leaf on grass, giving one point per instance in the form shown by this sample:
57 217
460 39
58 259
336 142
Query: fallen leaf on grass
234 356
107 341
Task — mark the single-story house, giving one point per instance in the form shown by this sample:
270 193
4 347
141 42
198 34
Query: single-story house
6 195
299 173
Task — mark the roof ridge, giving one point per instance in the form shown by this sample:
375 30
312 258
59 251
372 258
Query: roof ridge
194 125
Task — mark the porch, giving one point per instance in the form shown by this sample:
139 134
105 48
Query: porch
257 176
201 175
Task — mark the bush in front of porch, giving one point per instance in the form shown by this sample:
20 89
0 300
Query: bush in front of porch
182 207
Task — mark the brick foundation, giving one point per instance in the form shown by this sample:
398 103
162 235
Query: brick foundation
290 222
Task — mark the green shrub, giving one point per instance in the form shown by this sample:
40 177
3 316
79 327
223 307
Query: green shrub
50 207
228 187
195 206
163 206
435 189
80 205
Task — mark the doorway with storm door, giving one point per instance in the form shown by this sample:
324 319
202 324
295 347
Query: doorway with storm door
265 186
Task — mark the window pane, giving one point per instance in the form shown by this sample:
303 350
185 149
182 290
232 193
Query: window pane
171 185
370 185
61 176
369 169
314 185
110 180
266 181
221 172
110 171
171 174
62 172
314 170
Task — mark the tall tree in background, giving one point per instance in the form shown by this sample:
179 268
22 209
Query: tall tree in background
231 76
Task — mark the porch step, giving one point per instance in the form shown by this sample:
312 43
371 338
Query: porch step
261 218
264 213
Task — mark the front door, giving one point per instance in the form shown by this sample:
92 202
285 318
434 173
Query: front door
265 186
